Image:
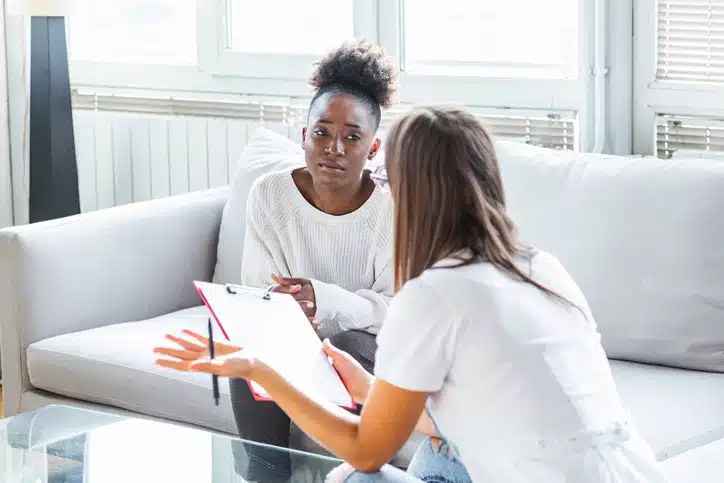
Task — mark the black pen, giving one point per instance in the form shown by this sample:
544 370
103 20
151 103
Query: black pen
212 354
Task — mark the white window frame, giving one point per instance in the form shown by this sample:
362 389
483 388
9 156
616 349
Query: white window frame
220 71
654 96
620 61
217 59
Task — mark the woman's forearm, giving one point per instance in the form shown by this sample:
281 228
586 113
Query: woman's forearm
366 443
359 310
424 426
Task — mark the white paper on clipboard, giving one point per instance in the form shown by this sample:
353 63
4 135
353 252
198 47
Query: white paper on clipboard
275 329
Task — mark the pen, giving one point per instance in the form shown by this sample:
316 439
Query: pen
212 354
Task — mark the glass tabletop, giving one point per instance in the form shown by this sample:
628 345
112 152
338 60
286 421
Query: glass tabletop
61 444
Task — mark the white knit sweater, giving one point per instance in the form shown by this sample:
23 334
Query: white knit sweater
348 258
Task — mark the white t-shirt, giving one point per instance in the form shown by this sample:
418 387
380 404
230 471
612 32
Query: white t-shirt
348 258
519 381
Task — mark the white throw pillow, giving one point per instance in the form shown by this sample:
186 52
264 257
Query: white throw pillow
266 152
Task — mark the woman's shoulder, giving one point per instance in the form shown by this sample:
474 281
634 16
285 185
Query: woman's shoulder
378 218
461 278
271 185
543 257
380 205
265 201
547 266
435 283
417 295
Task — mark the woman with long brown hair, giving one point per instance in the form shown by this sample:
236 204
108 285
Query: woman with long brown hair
490 338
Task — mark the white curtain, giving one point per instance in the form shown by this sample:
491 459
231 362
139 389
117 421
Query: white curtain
6 191
16 45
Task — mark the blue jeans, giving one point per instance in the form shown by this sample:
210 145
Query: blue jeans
427 465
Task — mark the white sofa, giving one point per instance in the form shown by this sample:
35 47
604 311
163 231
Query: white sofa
84 299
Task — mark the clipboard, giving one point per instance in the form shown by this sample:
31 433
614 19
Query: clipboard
277 330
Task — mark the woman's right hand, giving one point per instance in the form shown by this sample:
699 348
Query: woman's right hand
355 378
188 352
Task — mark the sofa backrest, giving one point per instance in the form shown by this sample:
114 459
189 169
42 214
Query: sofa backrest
644 238
266 151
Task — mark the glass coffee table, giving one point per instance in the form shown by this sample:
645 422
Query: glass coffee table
61 444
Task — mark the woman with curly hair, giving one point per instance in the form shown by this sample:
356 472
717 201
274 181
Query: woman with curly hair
323 233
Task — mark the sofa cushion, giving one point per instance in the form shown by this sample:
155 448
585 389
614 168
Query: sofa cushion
114 365
267 151
701 465
641 237
674 410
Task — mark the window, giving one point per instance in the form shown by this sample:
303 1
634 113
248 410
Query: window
679 77
278 39
288 26
552 130
488 38
689 137
532 68
135 31
690 40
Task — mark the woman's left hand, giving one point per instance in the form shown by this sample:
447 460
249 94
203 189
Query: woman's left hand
355 378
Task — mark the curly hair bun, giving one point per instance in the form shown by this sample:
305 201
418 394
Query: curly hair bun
361 65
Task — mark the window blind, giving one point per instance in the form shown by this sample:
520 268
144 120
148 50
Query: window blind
283 110
553 130
689 137
690 40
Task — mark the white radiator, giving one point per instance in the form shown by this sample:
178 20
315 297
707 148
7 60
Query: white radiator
125 156
128 157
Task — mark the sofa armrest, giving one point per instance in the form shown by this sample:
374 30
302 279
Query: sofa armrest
121 264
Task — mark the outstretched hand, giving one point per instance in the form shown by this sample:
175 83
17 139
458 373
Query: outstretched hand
193 356
303 292
185 352
357 380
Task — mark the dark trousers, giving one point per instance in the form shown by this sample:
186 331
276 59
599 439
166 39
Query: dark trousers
264 422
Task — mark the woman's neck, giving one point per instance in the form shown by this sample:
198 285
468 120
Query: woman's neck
335 201
341 201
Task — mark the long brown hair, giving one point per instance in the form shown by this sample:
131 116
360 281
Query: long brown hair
449 198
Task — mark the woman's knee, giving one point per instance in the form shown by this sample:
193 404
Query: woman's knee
355 341
387 474
360 345
435 461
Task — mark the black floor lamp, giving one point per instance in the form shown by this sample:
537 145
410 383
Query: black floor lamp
53 169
